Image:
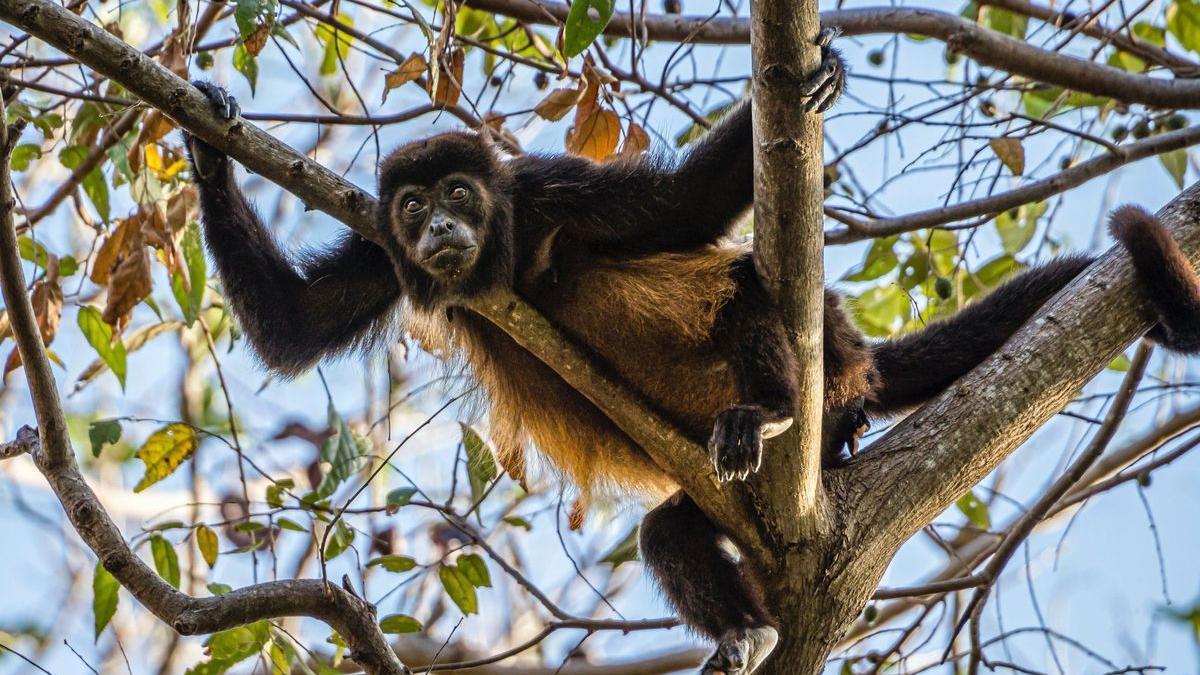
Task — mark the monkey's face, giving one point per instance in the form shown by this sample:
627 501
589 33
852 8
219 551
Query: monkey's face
441 225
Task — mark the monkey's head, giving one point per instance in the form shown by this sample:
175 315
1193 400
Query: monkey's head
446 217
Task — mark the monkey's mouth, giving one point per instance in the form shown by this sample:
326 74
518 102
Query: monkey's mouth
450 261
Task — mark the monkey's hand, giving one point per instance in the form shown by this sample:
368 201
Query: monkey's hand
852 425
735 447
209 163
823 88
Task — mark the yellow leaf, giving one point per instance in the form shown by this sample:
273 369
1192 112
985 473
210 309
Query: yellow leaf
1011 154
596 136
164 451
413 68
206 541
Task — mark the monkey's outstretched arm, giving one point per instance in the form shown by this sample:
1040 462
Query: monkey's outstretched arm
645 206
339 299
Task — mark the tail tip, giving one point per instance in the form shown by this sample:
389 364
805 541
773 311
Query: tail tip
1126 222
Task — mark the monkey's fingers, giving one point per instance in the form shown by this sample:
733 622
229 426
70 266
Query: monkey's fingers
827 35
224 104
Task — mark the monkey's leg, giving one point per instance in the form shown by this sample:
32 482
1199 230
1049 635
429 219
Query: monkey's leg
918 366
712 593
749 334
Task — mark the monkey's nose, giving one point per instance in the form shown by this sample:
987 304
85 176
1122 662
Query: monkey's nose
441 228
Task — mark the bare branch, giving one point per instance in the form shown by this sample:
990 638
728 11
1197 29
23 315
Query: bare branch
987 47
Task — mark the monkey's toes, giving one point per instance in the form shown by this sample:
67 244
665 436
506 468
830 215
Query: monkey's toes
223 103
741 652
735 447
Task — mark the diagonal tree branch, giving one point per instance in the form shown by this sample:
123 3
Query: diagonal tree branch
54 456
985 46
939 452
324 190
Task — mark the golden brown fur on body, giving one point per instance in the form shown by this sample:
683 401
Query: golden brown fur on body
650 320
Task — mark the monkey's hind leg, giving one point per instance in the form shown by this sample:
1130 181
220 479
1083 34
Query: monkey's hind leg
712 593
1165 273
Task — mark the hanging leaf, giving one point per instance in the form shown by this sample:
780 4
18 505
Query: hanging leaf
339 540
481 466
103 432
460 590
413 68
189 289
164 451
245 63
1011 153
100 336
394 624
287 524
337 44
448 87
586 20
94 185
474 570
230 647
104 597
345 453
400 497
595 136
1176 163
558 103
636 142
625 551
206 541
165 560
975 511
1183 21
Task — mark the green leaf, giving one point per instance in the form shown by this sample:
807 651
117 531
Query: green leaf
399 623
345 453
393 563
460 590
23 155
517 521
1039 100
103 432
339 540
164 451
206 541
696 131
1183 21
991 275
251 14
165 560
337 44
104 597
286 524
245 63
625 551
219 589
400 496
975 511
190 295
881 259
100 336
585 22
276 490
481 466
880 312
1016 230
1004 21
474 570
230 647
1120 364
1176 162
94 185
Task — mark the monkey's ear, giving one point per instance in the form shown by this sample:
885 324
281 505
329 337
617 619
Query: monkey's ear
502 143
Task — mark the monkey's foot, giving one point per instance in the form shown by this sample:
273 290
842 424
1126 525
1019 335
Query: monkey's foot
823 88
207 161
852 425
741 652
735 447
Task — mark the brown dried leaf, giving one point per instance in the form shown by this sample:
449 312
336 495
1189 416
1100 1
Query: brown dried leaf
47 301
154 128
636 141
129 284
450 77
1011 154
559 102
256 41
413 68
110 251
577 516
596 136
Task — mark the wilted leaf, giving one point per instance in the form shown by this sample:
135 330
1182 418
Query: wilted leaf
460 590
206 541
104 597
164 451
399 623
481 466
102 432
449 78
393 563
595 136
636 142
975 511
165 560
413 68
584 23
100 336
1011 153
558 103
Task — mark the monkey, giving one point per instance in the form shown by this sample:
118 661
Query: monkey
630 259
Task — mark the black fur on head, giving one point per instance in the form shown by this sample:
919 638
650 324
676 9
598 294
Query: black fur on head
420 167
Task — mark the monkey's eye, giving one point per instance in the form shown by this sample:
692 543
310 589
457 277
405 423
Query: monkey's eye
413 205
458 193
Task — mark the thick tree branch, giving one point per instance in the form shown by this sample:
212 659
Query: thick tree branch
322 189
788 251
985 46
939 452
55 458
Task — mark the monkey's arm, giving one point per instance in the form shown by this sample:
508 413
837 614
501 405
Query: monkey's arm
643 205
339 299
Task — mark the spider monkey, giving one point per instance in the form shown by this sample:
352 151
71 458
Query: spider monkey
629 258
